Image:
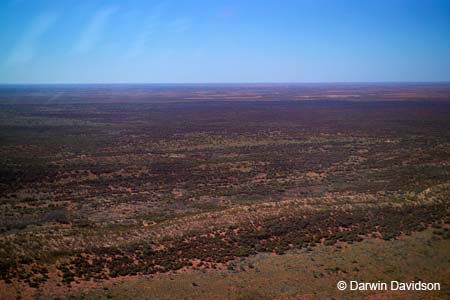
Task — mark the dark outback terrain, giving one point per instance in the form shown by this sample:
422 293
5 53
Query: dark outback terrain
275 191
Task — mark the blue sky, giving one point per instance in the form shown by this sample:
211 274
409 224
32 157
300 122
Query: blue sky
109 41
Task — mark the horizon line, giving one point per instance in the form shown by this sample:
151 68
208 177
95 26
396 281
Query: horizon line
225 83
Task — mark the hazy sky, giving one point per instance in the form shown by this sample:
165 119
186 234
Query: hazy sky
75 41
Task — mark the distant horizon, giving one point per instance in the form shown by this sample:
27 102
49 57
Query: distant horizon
230 83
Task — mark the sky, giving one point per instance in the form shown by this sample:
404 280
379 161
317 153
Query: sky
114 41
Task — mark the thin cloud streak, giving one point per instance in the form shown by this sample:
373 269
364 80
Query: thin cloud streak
180 25
94 29
143 39
26 48
140 44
